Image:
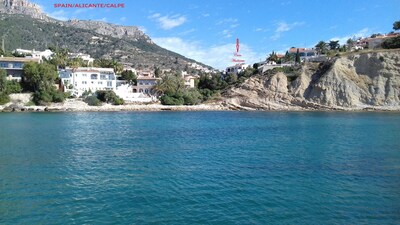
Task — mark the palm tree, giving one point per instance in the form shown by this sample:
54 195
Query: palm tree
321 47
272 57
334 45
169 83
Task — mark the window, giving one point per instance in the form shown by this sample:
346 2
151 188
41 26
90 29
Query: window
84 75
109 83
93 76
100 82
103 77
17 65
84 82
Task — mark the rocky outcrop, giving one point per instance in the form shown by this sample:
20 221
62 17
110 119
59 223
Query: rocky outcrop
23 7
103 28
33 10
353 82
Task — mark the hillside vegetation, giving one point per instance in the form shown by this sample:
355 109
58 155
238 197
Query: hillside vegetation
22 31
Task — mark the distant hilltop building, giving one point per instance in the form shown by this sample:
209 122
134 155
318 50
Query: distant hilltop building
85 57
304 53
235 69
47 54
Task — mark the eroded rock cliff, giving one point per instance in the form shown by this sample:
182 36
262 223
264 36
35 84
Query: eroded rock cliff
353 82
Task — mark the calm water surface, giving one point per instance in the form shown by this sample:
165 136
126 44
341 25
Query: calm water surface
200 168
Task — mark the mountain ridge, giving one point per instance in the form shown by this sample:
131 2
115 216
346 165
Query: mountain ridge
29 27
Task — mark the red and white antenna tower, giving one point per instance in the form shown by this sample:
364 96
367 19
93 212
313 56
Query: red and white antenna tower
237 55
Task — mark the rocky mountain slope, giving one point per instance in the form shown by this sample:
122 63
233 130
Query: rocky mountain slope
24 25
23 7
353 82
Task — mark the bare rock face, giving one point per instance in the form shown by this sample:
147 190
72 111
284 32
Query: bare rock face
354 82
108 29
23 7
33 10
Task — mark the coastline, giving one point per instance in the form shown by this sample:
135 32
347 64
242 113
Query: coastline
20 103
80 106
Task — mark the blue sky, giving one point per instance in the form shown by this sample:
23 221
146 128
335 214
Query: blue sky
206 30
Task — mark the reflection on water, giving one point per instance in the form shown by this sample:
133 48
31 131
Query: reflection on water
199 167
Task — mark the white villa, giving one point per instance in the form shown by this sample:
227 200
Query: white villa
85 57
79 80
236 68
35 54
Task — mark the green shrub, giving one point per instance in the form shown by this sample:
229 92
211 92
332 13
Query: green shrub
4 98
391 43
92 101
192 97
207 93
109 97
172 100
86 94
58 96
42 97
13 86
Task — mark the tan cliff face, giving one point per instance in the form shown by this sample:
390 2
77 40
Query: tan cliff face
23 7
357 81
33 10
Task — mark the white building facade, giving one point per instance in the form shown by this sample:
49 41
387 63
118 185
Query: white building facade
47 54
236 68
79 80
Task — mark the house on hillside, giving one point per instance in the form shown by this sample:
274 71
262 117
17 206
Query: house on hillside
85 57
146 80
235 69
81 79
375 42
47 54
305 53
14 66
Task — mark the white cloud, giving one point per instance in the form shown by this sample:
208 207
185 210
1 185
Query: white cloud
143 29
104 19
284 27
226 33
81 10
365 32
206 15
227 21
168 22
59 15
218 56
187 31
123 18
155 15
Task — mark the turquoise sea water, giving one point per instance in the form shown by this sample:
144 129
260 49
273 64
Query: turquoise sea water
200 168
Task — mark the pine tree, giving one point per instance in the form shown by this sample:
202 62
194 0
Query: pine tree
297 56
